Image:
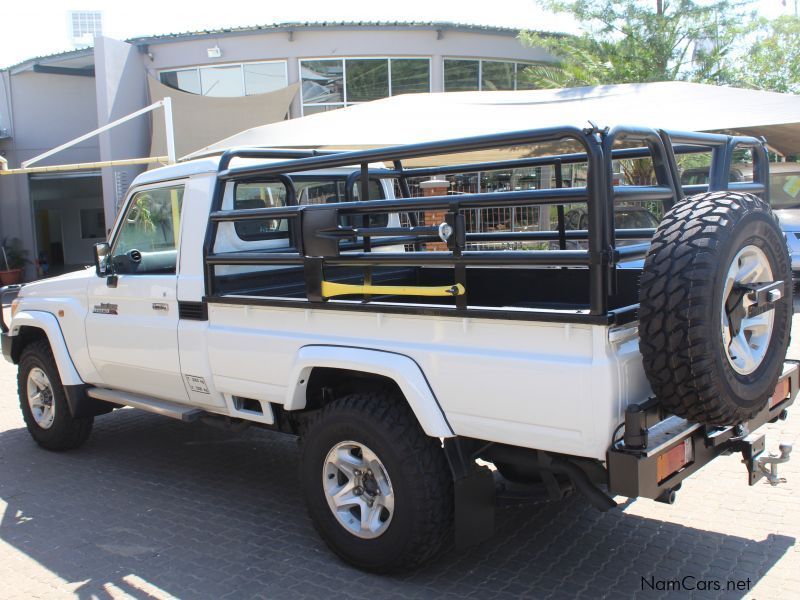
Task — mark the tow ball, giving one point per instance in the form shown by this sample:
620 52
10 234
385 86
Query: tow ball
768 465
760 465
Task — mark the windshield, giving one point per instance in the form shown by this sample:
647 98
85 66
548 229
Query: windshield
784 189
634 219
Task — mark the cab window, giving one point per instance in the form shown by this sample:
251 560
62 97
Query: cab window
316 190
147 240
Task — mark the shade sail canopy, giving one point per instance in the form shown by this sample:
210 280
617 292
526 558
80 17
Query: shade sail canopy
417 118
199 120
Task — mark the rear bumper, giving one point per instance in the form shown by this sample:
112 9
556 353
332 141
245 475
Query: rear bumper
644 471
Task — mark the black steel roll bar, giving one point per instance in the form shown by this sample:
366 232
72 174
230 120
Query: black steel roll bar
317 239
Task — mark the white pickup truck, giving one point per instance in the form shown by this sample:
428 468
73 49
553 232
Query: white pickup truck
429 366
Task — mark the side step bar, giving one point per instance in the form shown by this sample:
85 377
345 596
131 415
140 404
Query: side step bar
159 407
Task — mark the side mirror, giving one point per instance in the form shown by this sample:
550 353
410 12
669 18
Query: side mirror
102 259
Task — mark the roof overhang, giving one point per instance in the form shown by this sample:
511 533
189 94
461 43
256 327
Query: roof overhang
75 62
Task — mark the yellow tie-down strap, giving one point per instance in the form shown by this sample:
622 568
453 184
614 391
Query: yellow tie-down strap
331 289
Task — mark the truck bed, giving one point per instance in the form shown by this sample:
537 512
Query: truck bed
517 288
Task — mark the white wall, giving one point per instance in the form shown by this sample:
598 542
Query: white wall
47 111
121 87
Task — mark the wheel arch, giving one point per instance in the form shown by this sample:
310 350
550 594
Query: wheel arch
317 364
28 326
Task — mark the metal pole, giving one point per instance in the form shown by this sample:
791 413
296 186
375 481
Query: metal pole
92 165
170 129
91 134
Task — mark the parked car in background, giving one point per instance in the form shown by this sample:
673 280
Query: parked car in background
784 193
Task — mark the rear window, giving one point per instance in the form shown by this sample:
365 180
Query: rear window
309 191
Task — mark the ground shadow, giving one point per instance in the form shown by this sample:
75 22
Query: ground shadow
152 506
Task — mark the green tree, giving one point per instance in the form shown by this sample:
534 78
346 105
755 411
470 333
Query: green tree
773 62
634 42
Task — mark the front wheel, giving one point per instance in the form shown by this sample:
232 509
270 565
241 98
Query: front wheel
378 490
44 403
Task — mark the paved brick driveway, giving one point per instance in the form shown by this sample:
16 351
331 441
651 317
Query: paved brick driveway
155 508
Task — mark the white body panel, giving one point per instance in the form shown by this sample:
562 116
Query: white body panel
553 387
48 323
135 348
400 368
65 293
550 386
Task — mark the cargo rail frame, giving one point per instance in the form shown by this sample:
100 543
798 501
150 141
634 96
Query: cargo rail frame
317 240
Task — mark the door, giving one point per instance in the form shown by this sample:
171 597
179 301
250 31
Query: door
132 322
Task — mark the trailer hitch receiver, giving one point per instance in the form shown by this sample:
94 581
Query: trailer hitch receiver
760 465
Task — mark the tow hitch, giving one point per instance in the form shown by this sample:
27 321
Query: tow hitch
657 452
758 465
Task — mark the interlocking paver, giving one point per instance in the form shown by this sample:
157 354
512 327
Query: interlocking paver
152 508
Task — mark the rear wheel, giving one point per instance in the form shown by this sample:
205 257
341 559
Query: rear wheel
44 404
378 489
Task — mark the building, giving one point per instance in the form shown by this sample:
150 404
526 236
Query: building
230 80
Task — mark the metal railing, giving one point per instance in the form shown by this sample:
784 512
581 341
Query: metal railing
318 240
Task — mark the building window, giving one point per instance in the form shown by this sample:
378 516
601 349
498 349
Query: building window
84 26
462 75
229 80
468 75
93 223
328 84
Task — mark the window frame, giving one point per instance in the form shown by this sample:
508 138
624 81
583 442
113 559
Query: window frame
289 236
267 235
113 236
343 59
241 65
480 61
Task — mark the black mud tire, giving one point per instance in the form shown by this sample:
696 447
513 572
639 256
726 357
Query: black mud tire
681 302
66 432
422 522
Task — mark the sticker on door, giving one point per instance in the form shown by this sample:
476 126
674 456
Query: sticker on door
105 308
197 384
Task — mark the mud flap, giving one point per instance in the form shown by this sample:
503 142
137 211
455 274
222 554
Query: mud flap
474 504
474 495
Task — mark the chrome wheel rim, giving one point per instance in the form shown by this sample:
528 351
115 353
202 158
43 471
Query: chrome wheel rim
358 489
746 339
40 398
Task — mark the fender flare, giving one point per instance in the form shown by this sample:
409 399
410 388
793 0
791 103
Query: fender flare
398 367
48 323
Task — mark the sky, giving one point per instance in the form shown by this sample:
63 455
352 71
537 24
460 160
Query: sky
39 27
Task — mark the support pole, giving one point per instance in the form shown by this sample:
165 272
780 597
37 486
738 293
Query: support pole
170 129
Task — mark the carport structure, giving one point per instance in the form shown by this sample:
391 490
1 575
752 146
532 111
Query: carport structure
415 118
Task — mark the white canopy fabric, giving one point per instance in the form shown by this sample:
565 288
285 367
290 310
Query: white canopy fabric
198 120
417 118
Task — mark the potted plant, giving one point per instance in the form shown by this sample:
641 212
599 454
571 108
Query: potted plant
13 261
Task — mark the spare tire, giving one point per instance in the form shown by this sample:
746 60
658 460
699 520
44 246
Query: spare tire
707 359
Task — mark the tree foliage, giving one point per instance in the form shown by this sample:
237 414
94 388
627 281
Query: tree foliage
773 61
635 41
